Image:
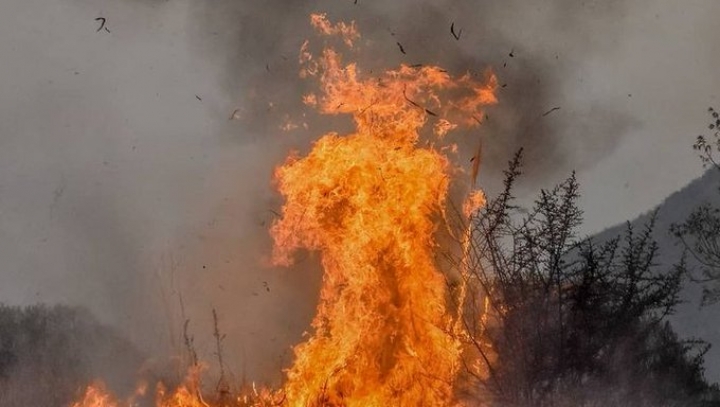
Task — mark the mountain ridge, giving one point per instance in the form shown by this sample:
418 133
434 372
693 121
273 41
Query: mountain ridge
691 320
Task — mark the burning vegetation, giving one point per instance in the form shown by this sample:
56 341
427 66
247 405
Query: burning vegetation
426 304
370 203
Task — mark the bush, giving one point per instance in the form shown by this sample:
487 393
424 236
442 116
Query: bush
557 320
48 354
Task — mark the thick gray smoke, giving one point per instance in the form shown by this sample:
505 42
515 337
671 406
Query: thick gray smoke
256 45
124 186
534 50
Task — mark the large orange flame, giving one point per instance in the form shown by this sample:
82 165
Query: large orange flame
370 203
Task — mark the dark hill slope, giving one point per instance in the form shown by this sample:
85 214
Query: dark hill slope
690 320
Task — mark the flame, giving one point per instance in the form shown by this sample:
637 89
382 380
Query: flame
188 394
96 395
474 202
370 202
348 32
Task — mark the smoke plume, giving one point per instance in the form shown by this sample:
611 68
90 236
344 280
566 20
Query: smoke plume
136 163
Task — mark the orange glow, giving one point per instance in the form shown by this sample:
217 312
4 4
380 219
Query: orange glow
188 394
96 396
348 32
474 202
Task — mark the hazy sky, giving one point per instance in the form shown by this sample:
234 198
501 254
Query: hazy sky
122 182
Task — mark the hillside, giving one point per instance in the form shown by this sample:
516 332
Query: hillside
690 320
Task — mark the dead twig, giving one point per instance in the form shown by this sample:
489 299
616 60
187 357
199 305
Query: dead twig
102 21
452 31
428 111
223 388
551 110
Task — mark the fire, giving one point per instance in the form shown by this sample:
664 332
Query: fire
370 203
188 394
96 396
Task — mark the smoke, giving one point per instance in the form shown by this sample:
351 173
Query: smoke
535 51
126 188
256 44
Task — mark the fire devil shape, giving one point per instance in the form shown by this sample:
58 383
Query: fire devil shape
370 203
